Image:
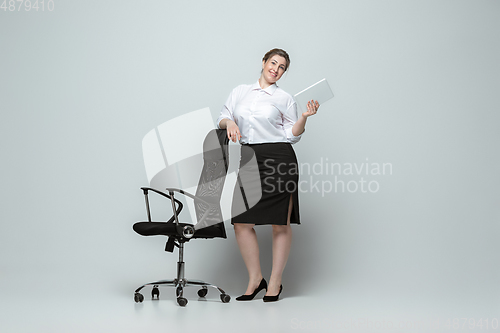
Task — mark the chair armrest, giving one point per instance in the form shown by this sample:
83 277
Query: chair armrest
176 211
195 198
192 196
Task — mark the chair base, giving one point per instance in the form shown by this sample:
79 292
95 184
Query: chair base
179 284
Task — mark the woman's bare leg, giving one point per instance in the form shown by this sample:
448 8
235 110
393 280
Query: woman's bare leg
249 248
282 240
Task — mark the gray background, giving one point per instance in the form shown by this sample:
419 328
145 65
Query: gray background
415 85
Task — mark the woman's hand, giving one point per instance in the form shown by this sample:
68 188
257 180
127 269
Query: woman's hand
299 127
233 131
312 108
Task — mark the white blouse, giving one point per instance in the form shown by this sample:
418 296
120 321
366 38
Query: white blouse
262 115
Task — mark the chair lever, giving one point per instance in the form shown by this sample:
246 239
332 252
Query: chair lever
169 247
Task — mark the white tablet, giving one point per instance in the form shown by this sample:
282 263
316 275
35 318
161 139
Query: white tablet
320 91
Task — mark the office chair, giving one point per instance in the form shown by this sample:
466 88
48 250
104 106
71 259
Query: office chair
208 215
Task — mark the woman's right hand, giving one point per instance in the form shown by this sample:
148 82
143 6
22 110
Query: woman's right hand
233 131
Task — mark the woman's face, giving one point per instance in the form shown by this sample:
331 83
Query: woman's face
273 68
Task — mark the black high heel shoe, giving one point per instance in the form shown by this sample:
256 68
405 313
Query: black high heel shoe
262 285
273 298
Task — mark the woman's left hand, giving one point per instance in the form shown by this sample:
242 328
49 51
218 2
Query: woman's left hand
312 108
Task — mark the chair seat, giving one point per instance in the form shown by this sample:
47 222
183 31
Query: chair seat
169 229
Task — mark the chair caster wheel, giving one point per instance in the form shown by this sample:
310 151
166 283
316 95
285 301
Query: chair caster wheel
138 298
225 298
155 292
203 292
182 301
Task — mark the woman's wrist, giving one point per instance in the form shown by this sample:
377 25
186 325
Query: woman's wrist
299 127
224 123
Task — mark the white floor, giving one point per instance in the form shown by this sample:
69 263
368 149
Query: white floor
52 302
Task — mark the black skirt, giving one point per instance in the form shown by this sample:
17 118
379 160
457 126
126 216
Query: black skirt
267 177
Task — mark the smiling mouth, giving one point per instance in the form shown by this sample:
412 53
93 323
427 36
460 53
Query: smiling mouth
273 74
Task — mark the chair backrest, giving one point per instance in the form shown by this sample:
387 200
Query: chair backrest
212 178
195 162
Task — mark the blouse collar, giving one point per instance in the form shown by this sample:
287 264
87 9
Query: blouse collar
269 90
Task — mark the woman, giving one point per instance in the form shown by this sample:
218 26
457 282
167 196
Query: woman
264 117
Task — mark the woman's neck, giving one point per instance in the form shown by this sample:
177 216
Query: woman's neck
263 83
